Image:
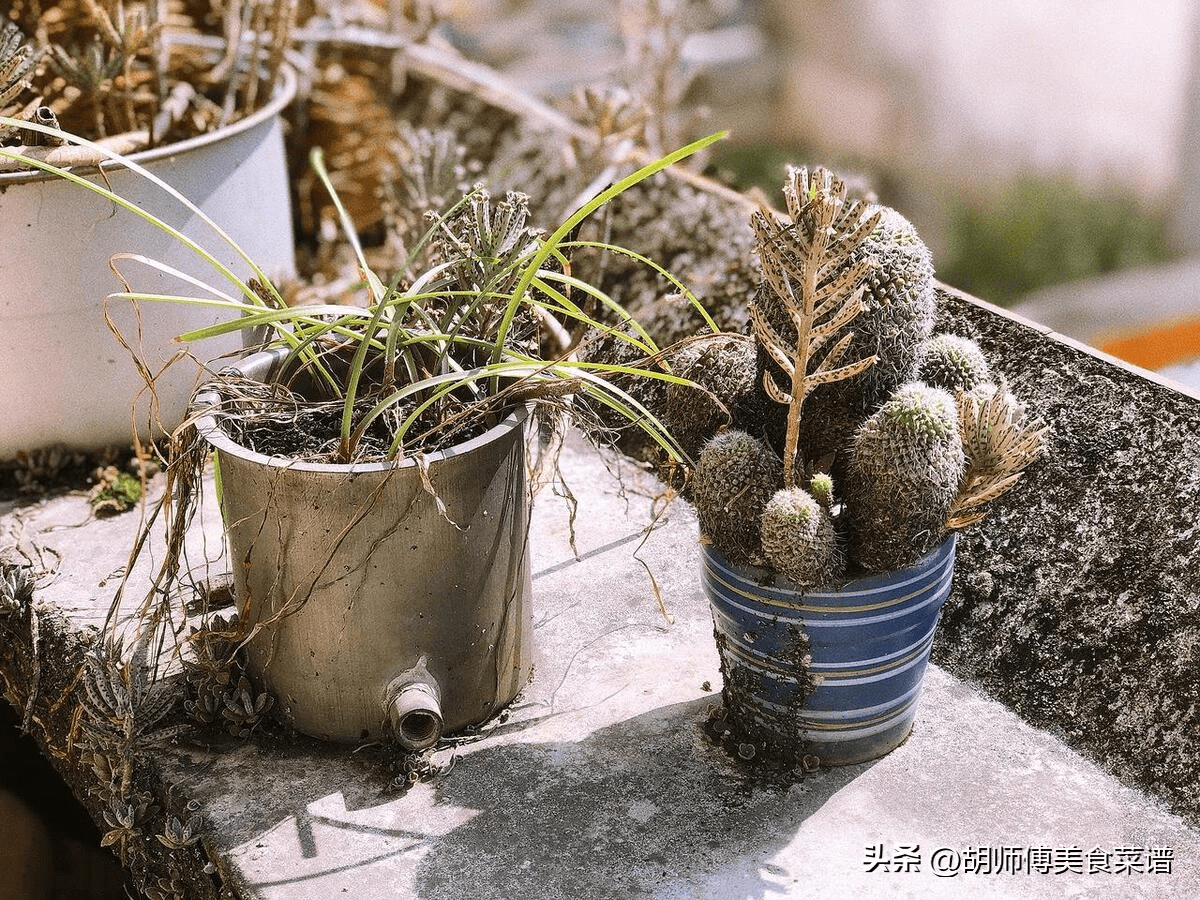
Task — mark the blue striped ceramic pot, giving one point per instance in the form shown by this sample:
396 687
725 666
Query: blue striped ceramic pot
830 674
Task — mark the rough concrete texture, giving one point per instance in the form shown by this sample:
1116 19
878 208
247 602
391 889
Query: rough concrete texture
1077 601
600 783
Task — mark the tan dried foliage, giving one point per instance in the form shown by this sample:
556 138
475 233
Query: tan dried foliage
804 265
1000 443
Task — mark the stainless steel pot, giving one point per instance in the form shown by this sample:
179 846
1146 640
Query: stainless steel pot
377 608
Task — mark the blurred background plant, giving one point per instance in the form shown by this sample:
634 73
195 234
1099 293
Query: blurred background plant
162 70
1045 230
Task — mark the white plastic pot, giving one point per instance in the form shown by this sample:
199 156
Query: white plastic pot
64 378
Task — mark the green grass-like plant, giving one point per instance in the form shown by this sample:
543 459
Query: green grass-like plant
455 343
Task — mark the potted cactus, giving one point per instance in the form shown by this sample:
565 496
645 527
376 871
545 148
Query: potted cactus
856 443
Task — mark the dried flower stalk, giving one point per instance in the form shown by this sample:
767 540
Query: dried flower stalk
808 276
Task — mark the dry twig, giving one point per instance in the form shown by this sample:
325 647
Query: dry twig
999 443
809 287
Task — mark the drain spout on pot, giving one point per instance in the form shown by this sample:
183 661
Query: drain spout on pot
412 705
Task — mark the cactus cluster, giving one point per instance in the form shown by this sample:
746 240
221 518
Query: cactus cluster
879 437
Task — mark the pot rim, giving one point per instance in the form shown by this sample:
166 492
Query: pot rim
281 96
217 438
779 585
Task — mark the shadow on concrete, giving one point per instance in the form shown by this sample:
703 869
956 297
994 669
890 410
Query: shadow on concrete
645 807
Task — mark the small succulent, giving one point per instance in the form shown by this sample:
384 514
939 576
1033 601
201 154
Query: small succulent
17 62
735 478
1000 441
798 539
178 835
244 708
16 588
114 492
126 817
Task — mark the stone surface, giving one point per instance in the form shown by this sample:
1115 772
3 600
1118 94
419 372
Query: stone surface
599 782
1078 598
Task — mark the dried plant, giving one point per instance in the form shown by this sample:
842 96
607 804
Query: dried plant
116 70
17 62
432 172
1000 443
654 32
612 112
803 265
102 70
34 469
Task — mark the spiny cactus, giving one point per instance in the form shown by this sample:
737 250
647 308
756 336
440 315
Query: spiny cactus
821 487
622 347
723 390
904 472
954 363
735 478
897 319
798 539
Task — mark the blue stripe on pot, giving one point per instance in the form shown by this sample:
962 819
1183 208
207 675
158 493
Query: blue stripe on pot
835 674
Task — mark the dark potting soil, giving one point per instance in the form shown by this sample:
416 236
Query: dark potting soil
311 432
775 747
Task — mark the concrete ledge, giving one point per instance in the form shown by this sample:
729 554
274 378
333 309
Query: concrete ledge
1078 599
599 781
